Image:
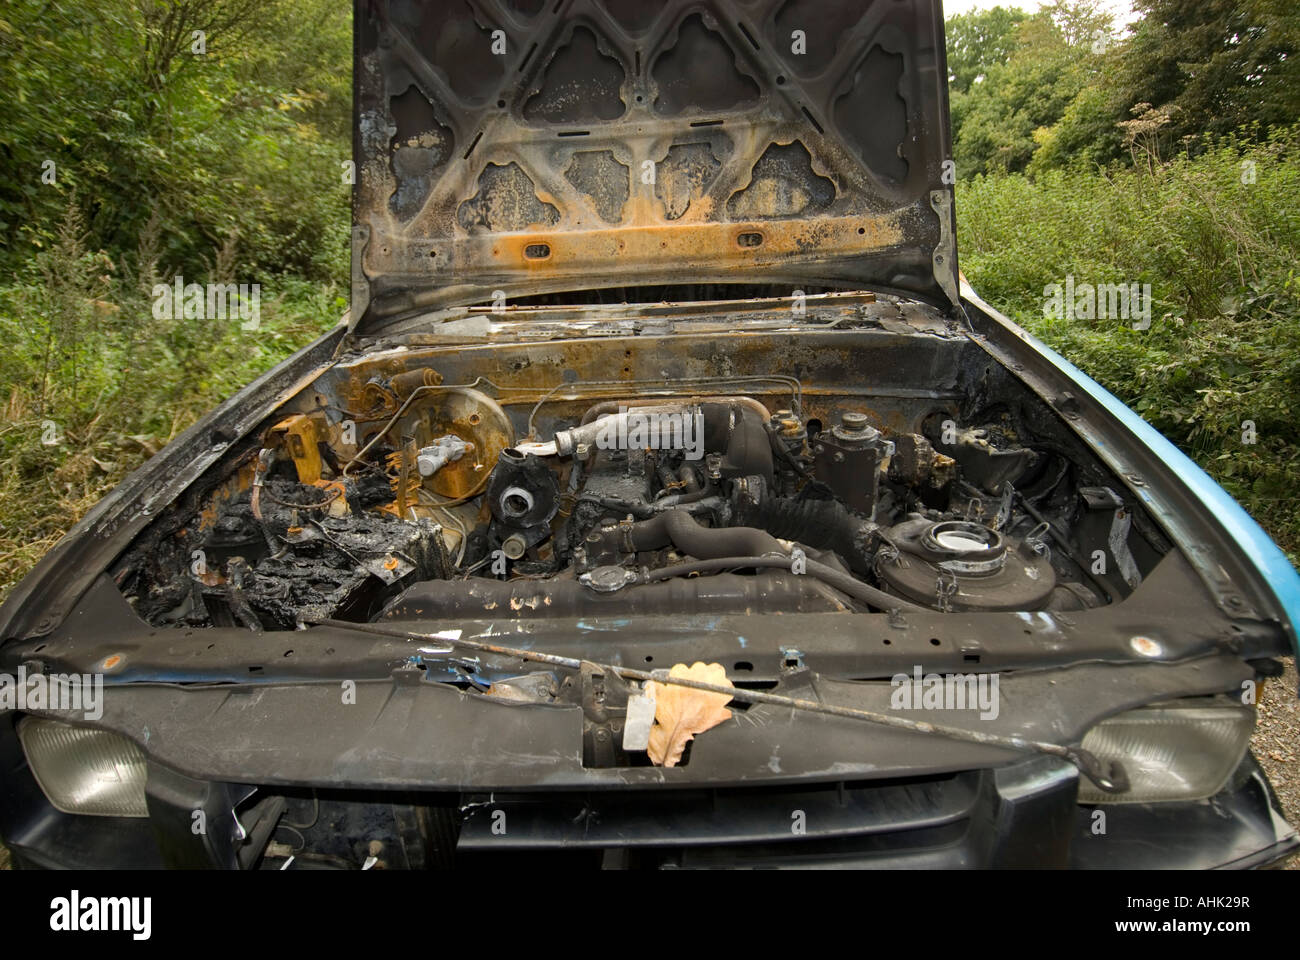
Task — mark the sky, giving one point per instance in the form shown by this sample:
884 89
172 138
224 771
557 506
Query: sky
1122 9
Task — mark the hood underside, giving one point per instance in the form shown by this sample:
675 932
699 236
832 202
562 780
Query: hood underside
522 147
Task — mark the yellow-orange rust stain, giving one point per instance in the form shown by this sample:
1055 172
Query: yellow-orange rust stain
234 485
691 243
298 434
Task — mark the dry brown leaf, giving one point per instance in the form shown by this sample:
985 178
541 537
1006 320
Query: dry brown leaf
681 713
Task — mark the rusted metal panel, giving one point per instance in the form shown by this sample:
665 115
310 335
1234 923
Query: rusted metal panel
530 148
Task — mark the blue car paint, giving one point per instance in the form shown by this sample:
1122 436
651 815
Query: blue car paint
1267 558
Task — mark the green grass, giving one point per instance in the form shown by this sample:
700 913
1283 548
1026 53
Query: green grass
87 363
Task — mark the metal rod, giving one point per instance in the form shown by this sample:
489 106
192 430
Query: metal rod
1111 780
1064 544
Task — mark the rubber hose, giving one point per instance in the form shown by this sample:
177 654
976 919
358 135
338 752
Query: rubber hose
826 524
826 574
681 530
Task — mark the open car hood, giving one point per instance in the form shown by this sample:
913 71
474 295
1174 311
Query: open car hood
523 147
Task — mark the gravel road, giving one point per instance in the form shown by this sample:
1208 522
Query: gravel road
1277 745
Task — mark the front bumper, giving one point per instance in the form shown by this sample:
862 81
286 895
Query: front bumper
1019 815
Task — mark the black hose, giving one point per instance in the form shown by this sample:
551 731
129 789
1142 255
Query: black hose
720 547
639 509
667 478
681 499
825 524
782 453
679 528
826 574
689 478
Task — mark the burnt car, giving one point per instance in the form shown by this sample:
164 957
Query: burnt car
660 386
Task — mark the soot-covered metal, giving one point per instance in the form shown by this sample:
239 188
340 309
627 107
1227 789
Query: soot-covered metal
680 142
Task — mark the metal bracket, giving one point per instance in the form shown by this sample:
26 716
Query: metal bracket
360 282
945 254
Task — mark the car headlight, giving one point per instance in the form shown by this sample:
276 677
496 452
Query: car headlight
84 770
1184 750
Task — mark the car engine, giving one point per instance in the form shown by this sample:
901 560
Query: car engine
427 506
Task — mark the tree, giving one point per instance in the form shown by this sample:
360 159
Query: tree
977 41
1000 120
237 132
1218 64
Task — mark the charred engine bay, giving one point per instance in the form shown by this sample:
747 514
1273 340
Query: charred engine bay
717 464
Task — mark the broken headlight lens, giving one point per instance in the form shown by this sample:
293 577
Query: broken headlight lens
1171 751
84 770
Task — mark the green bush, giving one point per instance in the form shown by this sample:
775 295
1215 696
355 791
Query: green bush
1218 239
95 383
132 158
242 144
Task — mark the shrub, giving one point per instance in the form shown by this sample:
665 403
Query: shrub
1218 239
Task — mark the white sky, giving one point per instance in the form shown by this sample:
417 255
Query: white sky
1122 9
